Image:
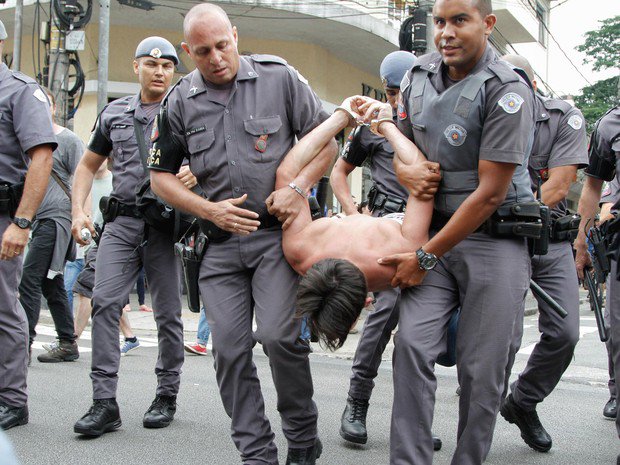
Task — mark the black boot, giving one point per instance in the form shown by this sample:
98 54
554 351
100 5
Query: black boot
353 421
306 456
611 409
12 416
161 412
65 351
102 417
436 443
532 431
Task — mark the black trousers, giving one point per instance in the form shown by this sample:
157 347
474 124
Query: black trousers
35 283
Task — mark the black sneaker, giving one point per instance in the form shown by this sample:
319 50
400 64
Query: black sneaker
611 409
12 416
305 456
353 421
65 351
532 431
161 412
102 417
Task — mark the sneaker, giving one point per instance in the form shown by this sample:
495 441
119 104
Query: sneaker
129 346
196 348
51 346
66 351
102 417
161 412
145 308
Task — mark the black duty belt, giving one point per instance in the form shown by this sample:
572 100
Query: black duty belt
378 200
217 235
128 210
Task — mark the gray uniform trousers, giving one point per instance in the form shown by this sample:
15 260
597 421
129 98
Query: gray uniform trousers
13 331
119 260
376 334
611 384
613 303
555 273
488 278
239 278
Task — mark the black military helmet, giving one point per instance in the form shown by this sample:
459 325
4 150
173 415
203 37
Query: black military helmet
157 47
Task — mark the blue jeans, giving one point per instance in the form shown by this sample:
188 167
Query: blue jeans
202 336
72 270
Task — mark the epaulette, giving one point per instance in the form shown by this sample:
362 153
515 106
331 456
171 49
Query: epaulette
504 71
22 77
428 62
165 99
269 59
557 104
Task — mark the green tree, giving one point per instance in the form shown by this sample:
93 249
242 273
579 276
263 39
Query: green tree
602 49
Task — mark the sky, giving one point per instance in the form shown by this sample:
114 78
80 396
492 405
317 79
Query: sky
568 23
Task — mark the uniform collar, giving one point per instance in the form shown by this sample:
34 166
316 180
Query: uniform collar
542 114
197 82
245 70
133 103
4 70
437 63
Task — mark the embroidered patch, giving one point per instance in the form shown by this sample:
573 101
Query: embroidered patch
575 122
155 130
606 190
511 102
455 134
38 93
402 111
544 174
191 131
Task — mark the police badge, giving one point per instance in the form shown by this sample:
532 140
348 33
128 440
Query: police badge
455 134
575 122
511 102
155 53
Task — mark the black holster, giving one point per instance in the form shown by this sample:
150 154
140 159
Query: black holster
109 208
378 200
516 220
565 228
191 257
10 196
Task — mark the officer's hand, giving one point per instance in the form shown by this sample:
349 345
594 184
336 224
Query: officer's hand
285 204
582 258
229 217
187 177
408 272
80 222
422 178
14 241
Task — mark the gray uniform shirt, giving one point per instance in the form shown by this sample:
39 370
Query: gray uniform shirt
364 145
56 203
25 123
560 140
235 147
611 191
114 136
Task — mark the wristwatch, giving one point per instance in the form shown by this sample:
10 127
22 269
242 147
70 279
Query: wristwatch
22 223
426 261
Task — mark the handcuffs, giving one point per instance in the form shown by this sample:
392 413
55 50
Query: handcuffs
373 125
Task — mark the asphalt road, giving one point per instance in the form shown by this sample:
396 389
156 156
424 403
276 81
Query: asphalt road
60 394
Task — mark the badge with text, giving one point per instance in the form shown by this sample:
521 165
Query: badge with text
261 143
575 122
455 134
511 102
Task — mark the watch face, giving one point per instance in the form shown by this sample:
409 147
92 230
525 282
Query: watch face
23 223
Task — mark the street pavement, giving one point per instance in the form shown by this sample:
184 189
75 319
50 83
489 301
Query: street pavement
61 393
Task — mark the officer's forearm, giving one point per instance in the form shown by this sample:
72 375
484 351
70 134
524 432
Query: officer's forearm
555 189
342 191
36 181
588 205
171 189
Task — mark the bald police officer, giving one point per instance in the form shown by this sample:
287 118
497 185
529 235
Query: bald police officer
386 196
472 117
604 154
25 133
236 117
559 150
127 244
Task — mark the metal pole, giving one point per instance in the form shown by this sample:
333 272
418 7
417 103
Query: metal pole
104 46
59 71
17 35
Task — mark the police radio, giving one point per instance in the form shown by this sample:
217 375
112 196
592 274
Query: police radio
540 246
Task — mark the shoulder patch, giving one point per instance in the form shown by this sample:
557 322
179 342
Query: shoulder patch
269 59
575 122
511 102
606 189
40 95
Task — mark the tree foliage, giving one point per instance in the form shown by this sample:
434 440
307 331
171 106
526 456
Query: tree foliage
596 99
602 46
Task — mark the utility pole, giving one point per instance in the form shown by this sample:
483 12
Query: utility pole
59 73
17 35
104 48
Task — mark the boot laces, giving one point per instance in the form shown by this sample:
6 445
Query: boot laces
359 408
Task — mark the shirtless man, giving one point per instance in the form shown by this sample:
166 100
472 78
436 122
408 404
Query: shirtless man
338 274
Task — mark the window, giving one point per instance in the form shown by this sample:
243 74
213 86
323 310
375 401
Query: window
542 14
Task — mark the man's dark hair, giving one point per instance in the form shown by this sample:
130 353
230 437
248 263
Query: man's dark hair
485 7
332 295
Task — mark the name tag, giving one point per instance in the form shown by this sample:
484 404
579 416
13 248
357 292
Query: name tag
191 131
118 126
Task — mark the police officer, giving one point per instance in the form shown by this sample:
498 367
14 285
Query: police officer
25 132
480 144
604 153
127 244
386 196
236 117
559 150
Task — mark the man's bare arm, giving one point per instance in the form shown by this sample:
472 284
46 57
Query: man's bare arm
340 186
